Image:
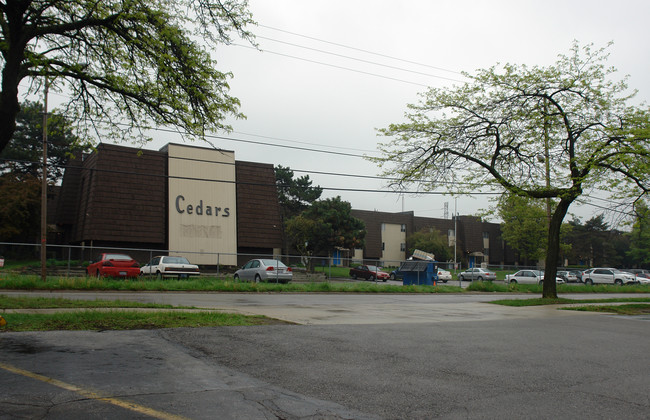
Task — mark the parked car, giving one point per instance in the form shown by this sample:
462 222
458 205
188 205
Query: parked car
643 278
583 273
567 276
263 269
369 272
113 265
169 266
444 275
530 277
608 276
479 274
395 275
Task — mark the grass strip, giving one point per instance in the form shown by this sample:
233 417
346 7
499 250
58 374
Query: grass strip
127 320
31 282
559 301
25 302
629 309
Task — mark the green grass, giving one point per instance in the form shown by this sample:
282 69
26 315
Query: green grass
26 282
543 301
10 302
113 315
126 320
228 284
629 309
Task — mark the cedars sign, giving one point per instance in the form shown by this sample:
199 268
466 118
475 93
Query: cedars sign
199 209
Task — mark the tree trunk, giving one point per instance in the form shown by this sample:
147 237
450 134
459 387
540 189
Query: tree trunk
553 249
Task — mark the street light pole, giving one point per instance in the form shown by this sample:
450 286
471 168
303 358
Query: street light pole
44 190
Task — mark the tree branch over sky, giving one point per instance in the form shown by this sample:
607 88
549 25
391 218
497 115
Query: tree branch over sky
125 63
513 127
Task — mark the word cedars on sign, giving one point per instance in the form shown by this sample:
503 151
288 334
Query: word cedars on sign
200 209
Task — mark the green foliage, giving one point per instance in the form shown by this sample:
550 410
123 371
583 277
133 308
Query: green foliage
640 236
124 64
24 155
294 194
20 211
524 227
325 225
540 132
430 240
595 244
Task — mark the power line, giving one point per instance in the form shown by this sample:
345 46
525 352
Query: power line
358 59
361 50
339 67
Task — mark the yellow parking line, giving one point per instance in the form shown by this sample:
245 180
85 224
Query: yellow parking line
92 395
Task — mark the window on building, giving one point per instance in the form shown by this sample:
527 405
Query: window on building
383 227
486 235
383 246
402 247
403 229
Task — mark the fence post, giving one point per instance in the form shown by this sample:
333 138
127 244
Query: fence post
218 264
69 256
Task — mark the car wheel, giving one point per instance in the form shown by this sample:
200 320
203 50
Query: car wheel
618 282
258 278
461 278
541 282
513 281
371 278
589 282
99 275
354 276
158 275
236 277
479 278
393 276
444 281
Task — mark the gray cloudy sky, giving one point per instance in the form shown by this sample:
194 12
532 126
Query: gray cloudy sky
302 92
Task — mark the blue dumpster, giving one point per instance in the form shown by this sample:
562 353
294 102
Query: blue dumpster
419 273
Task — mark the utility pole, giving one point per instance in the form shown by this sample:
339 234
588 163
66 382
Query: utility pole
456 239
44 190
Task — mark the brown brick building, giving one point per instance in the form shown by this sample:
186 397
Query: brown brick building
186 199
477 241
204 204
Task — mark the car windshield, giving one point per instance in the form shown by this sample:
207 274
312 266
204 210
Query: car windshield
175 260
273 263
373 268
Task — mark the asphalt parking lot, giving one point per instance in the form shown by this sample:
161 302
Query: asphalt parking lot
366 356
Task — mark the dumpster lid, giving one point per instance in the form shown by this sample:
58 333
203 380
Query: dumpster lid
414 266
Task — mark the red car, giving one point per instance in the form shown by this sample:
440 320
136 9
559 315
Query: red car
113 265
369 272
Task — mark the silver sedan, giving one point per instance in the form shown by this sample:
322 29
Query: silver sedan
263 269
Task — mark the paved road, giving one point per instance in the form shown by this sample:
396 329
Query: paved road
353 356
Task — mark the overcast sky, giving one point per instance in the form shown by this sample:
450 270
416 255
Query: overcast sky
302 92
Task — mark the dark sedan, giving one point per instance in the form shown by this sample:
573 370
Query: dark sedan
368 272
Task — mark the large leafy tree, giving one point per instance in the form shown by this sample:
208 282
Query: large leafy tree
430 240
595 244
123 63
325 225
524 226
24 154
539 132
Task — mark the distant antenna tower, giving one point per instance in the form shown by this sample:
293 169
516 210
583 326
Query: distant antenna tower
446 210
